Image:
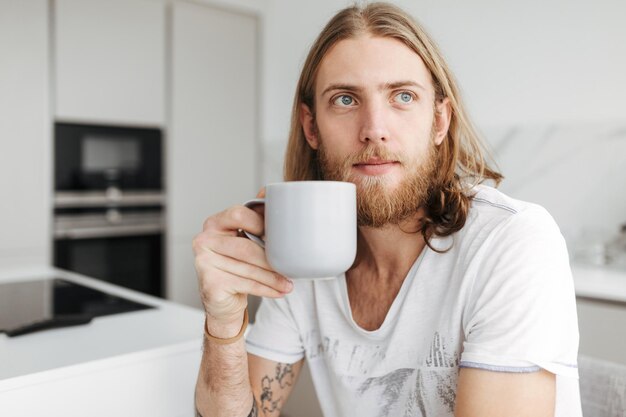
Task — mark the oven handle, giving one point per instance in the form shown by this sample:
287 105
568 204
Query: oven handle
107 231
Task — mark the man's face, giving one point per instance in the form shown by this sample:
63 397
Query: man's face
373 126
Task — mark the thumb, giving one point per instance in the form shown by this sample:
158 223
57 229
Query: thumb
260 208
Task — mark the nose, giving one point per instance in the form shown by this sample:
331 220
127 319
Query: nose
374 123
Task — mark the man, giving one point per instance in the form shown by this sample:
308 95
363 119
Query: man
460 300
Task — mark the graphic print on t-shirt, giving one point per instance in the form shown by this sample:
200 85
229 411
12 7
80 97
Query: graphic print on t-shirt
428 385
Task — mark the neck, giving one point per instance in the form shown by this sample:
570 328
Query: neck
387 253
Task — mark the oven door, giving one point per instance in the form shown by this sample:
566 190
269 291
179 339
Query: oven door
113 247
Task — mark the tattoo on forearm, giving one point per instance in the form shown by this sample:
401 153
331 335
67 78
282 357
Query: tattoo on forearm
284 374
284 377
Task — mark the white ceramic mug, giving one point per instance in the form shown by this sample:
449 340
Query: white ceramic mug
310 227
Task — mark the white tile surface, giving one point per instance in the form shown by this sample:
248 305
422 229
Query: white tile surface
577 172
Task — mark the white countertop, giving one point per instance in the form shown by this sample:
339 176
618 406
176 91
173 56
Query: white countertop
598 282
104 342
119 338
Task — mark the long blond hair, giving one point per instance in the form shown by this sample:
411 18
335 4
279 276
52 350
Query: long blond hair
461 157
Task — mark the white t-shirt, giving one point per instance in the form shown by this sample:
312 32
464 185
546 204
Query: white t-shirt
502 299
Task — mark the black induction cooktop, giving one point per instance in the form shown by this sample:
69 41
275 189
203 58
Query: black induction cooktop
30 306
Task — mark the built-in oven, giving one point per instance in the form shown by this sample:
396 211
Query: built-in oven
109 205
120 245
96 157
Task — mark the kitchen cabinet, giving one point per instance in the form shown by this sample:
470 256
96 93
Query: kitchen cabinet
109 61
212 145
25 162
602 326
601 304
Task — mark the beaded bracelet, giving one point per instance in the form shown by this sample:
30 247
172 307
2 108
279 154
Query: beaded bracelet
230 340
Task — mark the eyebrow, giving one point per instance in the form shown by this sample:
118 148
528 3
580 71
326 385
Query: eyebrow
386 86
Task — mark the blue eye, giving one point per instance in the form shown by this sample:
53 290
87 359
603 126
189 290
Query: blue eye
344 100
403 97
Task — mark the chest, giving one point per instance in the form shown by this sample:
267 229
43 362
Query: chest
420 330
422 324
370 303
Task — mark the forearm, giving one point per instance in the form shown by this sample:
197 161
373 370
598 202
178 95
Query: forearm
254 412
223 385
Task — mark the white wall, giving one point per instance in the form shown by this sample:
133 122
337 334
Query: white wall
25 130
516 62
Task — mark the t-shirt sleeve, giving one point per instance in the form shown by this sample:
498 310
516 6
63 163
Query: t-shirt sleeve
274 334
521 312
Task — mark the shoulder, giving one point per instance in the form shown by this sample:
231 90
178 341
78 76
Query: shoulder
493 210
489 199
498 223
510 237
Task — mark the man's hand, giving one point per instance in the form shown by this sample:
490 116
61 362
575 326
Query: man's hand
230 267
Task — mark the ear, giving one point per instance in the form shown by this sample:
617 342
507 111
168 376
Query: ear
308 126
443 114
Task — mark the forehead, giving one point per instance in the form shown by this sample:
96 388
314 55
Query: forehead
368 61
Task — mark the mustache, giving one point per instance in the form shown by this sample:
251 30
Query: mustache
370 152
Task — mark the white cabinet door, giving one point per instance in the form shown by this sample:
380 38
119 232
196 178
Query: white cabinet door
25 163
110 61
212 145
602 325
156 384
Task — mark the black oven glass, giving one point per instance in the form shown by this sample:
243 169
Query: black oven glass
100 154
133 262
94 157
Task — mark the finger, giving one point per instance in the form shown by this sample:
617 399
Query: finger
259 208
252 272
235 218
248 286
234 284
230 282
238 248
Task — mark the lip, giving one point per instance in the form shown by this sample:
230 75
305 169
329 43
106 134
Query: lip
376 162
375 166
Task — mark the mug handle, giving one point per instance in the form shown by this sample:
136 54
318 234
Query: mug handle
254 238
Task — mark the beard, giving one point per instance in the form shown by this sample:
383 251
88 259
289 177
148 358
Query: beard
377 204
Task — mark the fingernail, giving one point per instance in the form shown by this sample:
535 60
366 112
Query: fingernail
289 284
